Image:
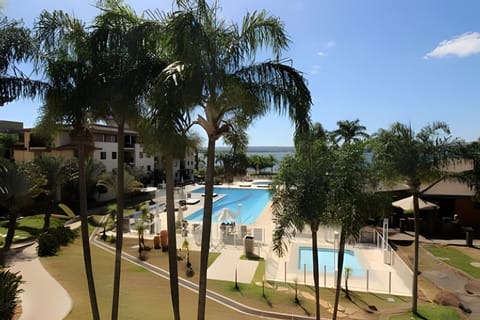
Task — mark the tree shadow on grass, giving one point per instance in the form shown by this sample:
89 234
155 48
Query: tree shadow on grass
361 304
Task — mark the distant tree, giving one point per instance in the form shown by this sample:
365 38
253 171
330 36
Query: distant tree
17 191
7 142
413 159
349 132
57 171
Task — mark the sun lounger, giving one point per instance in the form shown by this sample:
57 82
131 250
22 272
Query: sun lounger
193 201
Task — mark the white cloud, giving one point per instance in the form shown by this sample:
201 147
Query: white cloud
320 53
331 44
464 45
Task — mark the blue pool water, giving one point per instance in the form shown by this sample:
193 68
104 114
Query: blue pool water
326 257
253 202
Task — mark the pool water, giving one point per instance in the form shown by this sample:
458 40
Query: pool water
253 202
326 257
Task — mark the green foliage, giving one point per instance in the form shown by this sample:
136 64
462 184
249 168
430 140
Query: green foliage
9 290
50 242
48 245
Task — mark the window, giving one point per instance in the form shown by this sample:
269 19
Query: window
103 155
140 155
149 168
114 155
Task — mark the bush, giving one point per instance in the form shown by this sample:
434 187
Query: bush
9 290
64 235
49 242
48 245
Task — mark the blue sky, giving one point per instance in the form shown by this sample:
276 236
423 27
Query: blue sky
380 61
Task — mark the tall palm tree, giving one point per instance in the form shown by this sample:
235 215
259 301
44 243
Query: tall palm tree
164 132
223 68
66 58
413 159
125 53
16 46
349 131
346 197
300 197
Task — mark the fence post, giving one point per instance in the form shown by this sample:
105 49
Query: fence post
285 271
304 273
390 282
324 276
368 274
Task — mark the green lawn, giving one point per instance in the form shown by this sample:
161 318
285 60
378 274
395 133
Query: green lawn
456 259
430 312
29 227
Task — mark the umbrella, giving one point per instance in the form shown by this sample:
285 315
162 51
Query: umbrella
226 215
407 204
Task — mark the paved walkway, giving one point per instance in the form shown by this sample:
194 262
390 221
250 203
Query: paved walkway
42 297
223 268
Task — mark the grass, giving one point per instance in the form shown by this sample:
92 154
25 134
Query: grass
430 312
456 259
153 292
30 227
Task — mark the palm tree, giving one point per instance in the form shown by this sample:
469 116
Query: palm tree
17 190
16 46
413 159
164 132
349 131
57 172
64 43
125 48
300 196
346 197
7 142
223 68
232 83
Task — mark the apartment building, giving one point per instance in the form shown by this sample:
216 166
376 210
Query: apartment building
105 140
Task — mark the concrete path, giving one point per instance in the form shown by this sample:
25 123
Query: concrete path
223 268
42 297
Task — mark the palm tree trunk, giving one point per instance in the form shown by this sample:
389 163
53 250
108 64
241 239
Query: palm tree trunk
206 228
119 224
12 222
87 258
416 210
172 237
340 258
316 280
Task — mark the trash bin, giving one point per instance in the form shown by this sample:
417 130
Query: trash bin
248 245
156 242
164 240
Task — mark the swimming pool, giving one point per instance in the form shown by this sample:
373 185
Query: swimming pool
326 258
253 202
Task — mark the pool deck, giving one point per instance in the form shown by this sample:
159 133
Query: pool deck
381 278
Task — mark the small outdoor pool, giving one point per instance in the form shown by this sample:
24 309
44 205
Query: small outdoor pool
326 258
253 202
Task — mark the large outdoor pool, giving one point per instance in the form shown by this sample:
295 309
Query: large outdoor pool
252 201
328 257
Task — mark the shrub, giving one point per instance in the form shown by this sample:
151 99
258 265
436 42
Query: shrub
64 235
49 242
48 245
9 290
